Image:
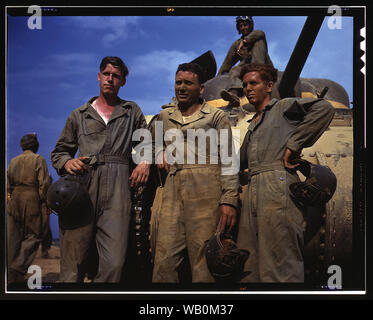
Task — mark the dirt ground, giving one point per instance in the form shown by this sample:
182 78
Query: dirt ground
50 266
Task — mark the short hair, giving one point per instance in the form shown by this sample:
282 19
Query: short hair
266 71
116 62
30 142
195 68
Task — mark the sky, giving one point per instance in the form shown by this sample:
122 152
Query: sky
53 70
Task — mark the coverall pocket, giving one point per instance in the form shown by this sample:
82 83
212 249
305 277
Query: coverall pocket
277 183
92 126
294 214
272 199
33 208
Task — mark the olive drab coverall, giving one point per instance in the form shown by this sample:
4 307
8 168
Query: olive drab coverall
254 51
109 147
47 238
189 213
27 183
271 226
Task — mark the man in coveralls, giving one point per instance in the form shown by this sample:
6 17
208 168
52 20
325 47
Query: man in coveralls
198 198
271 226
27 185
102 131
251 47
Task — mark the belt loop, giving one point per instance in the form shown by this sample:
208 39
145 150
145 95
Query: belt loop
100 159
97 158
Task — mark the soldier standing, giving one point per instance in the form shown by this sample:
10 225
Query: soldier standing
102 131
271 226
251 47
197 198
27 186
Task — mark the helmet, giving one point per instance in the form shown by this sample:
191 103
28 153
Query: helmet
313 194
30 142
224 260
244 18
319 186
70 199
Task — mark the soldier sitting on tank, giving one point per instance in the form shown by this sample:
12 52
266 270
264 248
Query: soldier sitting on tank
251 47
271 225
27 185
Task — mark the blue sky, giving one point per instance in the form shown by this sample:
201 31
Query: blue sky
54 70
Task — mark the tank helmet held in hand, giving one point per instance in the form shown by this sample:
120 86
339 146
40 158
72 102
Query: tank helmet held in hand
319 186
224 260
248 19
30 142
70 199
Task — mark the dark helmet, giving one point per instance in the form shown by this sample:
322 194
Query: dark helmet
224 260
70 199
319 186
248 19
313 194
29 142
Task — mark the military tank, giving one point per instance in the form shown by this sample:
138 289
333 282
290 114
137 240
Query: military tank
332 243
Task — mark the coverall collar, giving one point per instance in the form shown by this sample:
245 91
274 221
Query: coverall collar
175 113
119 110
267 108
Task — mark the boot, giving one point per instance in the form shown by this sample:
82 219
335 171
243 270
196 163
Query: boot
15 276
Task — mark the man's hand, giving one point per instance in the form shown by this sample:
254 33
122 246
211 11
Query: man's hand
227 218
162 161
140 174
240 48
7 197
74 166
46 209
288 156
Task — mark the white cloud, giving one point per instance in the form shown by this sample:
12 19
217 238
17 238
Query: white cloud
114 28
70 63
104 22
153 106
277 55
72 57
70 72
160 61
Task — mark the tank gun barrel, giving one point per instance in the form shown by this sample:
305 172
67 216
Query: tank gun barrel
299 56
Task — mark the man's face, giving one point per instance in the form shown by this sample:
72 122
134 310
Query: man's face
244 27
255 89
111 80
187 88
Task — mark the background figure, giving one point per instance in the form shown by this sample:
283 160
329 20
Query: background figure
102 131
27 184
251 47
47 238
